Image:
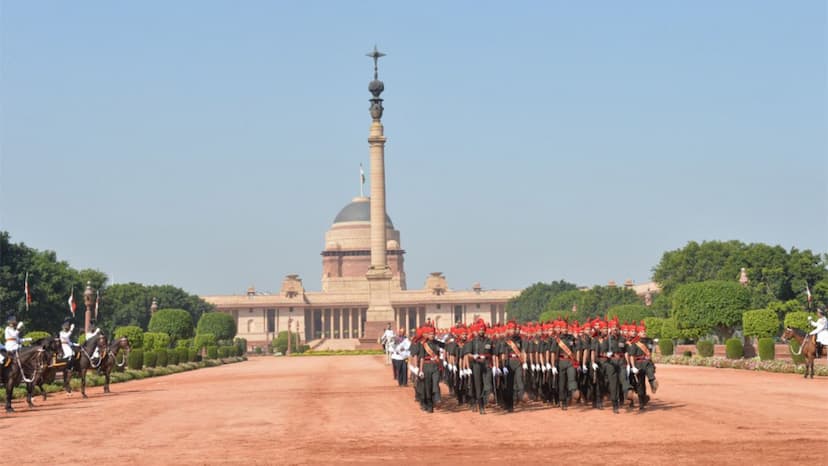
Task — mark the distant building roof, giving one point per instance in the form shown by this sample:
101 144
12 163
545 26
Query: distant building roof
359 210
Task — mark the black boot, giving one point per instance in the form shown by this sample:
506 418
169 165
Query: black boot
564 405
615 406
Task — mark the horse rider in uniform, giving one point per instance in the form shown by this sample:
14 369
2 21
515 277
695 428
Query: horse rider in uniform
92 333
66 343
13 340
820 330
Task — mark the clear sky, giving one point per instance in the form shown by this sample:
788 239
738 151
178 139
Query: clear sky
210 144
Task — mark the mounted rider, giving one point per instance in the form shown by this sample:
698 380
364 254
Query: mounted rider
92 333
66 343
820 330
13 340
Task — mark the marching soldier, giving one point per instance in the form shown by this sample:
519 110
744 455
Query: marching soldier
617 354
567 359
429 371
480 359
639 351
514 363
607 380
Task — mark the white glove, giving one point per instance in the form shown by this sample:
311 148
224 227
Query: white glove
453 368
505 370
584 369
496 370
609 354
25 340
421 375
525 366
543 368
628 371
594 366
810 318
414 370
19 325
554 370
445 364
548 366
635 370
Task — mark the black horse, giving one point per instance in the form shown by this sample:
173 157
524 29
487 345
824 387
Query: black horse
107 359
25 365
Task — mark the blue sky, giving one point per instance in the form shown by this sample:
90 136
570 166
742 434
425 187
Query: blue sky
210 144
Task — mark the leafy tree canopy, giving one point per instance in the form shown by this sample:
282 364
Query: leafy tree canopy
528 305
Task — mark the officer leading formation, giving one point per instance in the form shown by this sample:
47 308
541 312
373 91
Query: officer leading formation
557 363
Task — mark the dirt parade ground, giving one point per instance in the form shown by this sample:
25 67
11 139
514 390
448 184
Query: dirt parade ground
347 409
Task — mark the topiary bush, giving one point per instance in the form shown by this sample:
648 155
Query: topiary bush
280 343
630 312
798 319
177 323
222 351
136 359
760 323
183 354
36 335
149 358
133 333
257 350
767 349
184 343
155 341
711 305
192 355
654 326
705 348
172 357
161 357
665 347
241 343
204 340
212 352
222 325
734 348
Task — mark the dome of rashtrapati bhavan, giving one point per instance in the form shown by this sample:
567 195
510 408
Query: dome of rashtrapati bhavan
363 283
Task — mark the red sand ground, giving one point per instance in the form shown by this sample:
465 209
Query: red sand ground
347 409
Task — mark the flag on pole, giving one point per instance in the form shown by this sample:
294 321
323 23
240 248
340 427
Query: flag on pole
808 292
361 181
28 293
97 303
72 306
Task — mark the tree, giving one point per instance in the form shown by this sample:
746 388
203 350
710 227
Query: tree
528 305
593 302
630 312
760 323
711 306
176 323
129 303
222 325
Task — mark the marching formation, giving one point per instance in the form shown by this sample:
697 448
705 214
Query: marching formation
558 363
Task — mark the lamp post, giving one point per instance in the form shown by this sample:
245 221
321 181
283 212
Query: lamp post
290 321
88 300
154 306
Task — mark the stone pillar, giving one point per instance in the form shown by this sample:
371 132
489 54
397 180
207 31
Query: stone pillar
342 323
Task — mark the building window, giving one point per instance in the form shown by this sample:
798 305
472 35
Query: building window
458 314
478 305
271 320
249 325
438 306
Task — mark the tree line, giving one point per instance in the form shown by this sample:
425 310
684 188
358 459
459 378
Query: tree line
52 280
700 290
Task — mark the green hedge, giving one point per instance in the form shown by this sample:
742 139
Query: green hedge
149 358
133 333
184 343
177 323
155 341
665 347
280 343
222 352
212 352
734 348
630 312
705 348
136 359
760 323
241 343
36 335
798 319
203 340
183 354
654 326
222 325
767 349
172 357
192 355
161 357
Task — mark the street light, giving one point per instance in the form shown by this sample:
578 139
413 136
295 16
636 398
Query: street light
88 300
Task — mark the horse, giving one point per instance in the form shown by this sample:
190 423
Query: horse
83 362
29 360
807 347
110 360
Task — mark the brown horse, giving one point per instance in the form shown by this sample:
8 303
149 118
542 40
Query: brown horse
83 362
25 365
110 360
807 347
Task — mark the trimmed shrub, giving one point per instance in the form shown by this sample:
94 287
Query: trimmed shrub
184 343
705 348
222 325
222 351
630 312
183 354
156 341
161 357
36 335
281 341
654 326
257 350
149 358
711 305
734 348
136 359
192 355
133 333
665 347
687 354
798 319
760 323
172 357
212 352
767 349
177 323
203 340
241 343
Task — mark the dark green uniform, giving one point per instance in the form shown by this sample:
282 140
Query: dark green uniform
585 374
617 352
480 354
607 373
431 373
513 383
645 366
567 381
